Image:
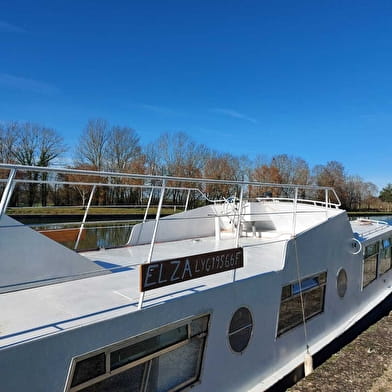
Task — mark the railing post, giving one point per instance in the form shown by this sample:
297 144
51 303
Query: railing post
7 192
148 205
326 203
187 200
84 217
154 234
295 210
237 240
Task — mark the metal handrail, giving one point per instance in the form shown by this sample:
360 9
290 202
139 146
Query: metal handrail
380 226
161 183
157 177
307 201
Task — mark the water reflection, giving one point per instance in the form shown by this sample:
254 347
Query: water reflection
110 234
94 237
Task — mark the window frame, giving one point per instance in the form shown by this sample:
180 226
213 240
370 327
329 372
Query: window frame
320 285
147 359
379 249
385 249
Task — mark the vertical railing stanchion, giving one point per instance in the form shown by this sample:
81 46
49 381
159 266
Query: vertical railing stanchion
187 200
326 203
84 217
9 195
7 192
154 234
237 239
295 210
148 205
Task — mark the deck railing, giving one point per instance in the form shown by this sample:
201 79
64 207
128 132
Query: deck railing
159 184
148 184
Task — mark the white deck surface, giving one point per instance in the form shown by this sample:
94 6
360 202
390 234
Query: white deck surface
368 229
32 313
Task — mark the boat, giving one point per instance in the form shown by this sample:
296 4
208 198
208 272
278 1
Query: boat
222 295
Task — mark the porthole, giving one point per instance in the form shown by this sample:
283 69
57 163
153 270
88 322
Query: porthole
341 282
240 329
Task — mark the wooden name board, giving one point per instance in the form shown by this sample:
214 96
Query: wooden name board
167 272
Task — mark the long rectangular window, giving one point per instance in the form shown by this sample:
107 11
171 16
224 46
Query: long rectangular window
162 360
370 263
385 255
313 292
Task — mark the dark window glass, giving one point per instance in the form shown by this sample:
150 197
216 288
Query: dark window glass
369 270
313 302
306 284
240 329
199 325
322 278
128 381
168 361
386 243
286 291
385 260
136 351
176 368
290 314
371 249
89 368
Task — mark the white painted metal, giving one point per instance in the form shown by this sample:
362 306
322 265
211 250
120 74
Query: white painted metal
7 192
85 217
43 328
154 235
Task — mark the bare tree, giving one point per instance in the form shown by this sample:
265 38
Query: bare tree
122 151
36 145
222 167
176 154
7 141
93 143
331 175
292 170
268 174
122 148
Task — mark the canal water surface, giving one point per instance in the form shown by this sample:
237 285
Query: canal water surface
112 234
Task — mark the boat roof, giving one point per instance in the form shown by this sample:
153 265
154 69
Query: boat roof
62 289
57 307
368 229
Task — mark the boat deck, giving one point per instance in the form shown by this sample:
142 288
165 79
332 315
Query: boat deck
54 308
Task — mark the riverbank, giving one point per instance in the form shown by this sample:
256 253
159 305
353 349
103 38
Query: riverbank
368 213
363 365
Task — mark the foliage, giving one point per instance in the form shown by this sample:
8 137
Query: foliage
386 193
117 148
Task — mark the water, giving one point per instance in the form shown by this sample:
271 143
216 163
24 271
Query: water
95 237
103 237
109 235
385 218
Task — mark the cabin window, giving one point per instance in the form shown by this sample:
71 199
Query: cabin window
341 282
166 359
240 329
370 264
385 255
313 292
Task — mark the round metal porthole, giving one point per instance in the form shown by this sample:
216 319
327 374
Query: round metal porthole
341 282
240 330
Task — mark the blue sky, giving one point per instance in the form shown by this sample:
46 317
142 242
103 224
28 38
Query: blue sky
307 78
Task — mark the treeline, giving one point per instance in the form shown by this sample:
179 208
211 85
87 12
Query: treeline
111 148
